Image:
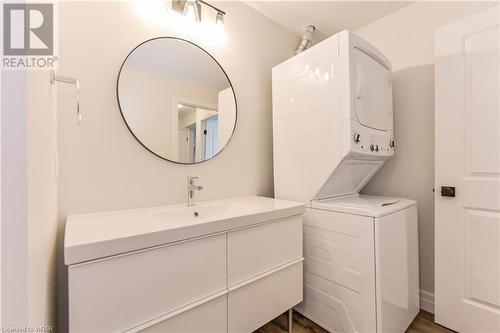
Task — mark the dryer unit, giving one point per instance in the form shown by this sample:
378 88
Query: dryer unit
332 131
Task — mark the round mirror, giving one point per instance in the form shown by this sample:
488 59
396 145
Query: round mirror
176 100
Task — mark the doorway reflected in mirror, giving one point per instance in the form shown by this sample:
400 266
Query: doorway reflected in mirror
198 129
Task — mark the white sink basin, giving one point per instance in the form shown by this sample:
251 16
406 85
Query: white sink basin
98 235
206 211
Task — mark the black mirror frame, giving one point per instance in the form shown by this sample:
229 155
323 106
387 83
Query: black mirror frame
218 64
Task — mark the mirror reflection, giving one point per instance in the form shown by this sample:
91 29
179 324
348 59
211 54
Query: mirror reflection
176 100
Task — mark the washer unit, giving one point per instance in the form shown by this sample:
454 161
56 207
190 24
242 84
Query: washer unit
332 131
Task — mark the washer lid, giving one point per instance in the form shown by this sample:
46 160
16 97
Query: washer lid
349 177
365 205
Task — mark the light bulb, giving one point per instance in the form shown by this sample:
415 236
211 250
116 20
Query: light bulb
190 13
191 10
219 19
216 34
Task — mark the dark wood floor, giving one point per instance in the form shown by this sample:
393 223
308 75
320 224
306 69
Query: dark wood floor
423 323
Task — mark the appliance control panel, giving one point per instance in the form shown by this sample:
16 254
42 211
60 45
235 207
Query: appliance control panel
371 142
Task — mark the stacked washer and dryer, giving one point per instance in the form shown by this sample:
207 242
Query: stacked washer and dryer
333 130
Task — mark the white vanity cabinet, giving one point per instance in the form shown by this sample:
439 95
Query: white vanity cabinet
231 280
264 272
117 293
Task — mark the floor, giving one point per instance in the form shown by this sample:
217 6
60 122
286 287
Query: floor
423 323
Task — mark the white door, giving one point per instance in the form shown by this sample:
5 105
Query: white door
467 239
211 136
183 144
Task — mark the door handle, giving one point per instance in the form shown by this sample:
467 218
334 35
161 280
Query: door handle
448 191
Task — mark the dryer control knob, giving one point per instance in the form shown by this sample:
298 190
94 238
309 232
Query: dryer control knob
376 148
357 138
372 147
391 144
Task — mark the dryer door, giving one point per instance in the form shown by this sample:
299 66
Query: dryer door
372 92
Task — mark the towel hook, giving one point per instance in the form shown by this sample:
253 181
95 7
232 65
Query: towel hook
64 79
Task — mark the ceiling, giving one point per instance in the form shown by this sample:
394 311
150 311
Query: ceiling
329 17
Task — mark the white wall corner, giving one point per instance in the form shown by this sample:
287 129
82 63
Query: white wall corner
426 301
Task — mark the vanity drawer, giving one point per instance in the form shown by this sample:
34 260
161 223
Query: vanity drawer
255 250
116 293
253 304
208 317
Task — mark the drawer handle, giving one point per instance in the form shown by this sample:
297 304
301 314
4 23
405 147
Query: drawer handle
263 275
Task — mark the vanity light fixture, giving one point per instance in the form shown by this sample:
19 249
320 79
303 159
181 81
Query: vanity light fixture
192 10
187 18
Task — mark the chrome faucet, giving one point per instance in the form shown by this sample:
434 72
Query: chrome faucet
190 190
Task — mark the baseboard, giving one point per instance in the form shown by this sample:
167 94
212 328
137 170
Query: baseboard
426 301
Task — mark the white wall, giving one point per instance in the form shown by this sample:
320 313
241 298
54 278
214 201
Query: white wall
14 199
42 199
102 167
29 200
406 37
